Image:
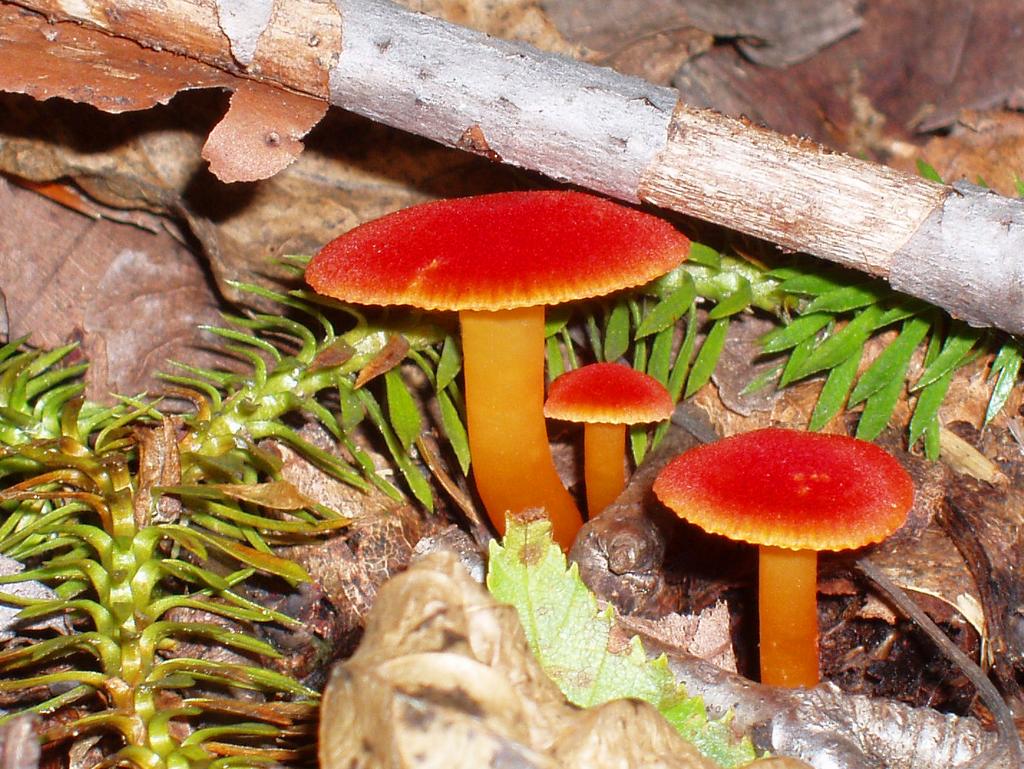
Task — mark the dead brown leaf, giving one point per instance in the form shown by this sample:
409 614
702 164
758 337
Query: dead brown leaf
653 39
159 465
274 495
707 634
741 362
910 67
134 299
650 40
351 170
261 132
68 60
350 565
444 675
988 526
19 745
981 146
391 354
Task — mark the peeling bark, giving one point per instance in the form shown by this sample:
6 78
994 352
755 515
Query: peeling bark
957 248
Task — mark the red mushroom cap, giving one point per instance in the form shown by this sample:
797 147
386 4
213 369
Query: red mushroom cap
608 393
497 252
790 489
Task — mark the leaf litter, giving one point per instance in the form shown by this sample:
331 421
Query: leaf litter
352 171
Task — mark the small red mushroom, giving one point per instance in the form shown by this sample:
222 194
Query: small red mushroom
606 397
793 493
498 260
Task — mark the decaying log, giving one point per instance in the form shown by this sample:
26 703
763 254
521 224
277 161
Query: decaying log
961 248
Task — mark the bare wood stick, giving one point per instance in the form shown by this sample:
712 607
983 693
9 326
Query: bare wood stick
961 248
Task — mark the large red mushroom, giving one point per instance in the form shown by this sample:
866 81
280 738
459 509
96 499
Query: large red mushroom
498 260
792 493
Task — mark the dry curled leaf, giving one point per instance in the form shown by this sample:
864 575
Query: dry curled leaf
444 677
260 134
523 20
707 635
159 465
10 625
831 729
980 146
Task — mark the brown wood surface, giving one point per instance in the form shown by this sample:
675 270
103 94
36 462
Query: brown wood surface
600 129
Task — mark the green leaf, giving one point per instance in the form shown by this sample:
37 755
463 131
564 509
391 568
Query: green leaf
763 379
926 410
797 357
570 636
705 255
267 562
933 440
449 365
928 171
405 417
188 572
878 409
905 308
556 318
892 363
811 284
616 335
681 366
957 344
841 345
660 363
849 298
553 356
640 353
454 430
670 309
792 334
707 357
638 442
594 337
157 631
1005 368
736 301
325 460
418 483
232 673
833 394
352 411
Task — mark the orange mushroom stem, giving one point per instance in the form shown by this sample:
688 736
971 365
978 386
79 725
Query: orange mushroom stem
503 366
788 616
604 465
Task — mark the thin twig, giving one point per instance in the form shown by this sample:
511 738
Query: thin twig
1009 738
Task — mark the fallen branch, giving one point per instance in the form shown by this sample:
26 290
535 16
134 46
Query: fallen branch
961 248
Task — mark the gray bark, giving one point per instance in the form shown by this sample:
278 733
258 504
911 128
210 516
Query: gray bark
610 132
627 138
